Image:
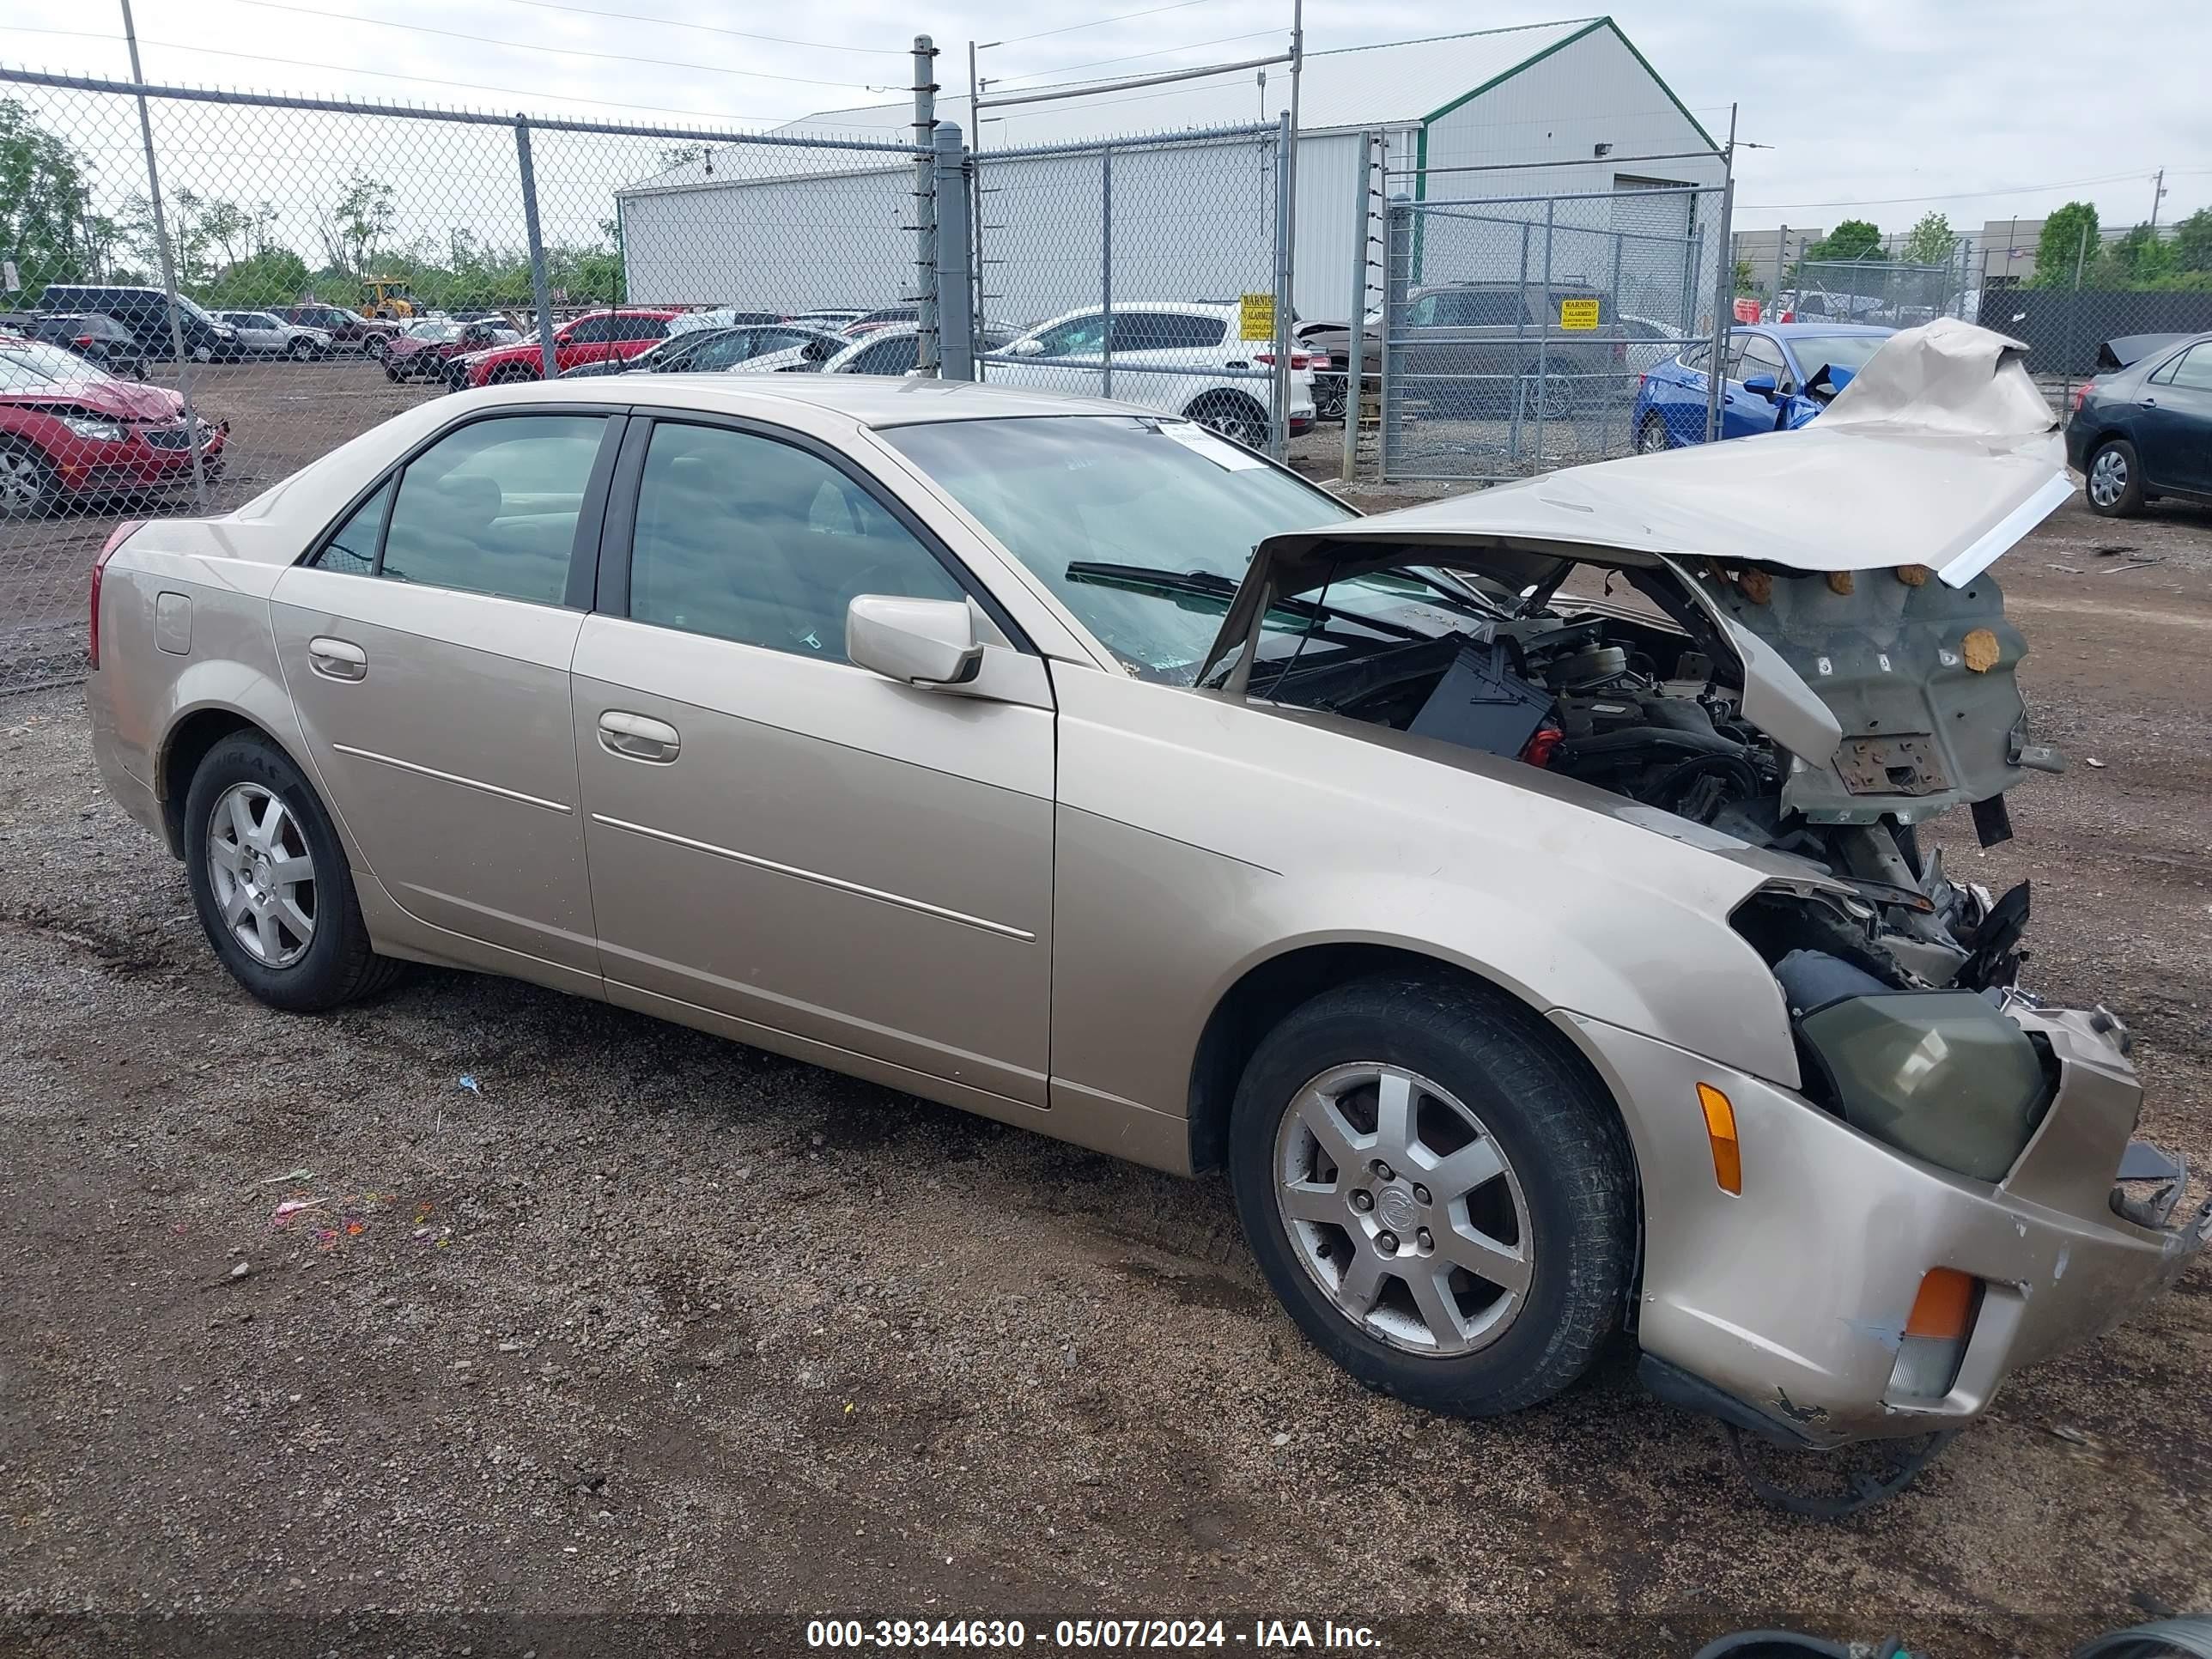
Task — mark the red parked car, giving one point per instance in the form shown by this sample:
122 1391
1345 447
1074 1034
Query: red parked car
428 346
71 431
591 338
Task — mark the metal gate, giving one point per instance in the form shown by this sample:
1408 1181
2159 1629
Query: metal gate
1516 331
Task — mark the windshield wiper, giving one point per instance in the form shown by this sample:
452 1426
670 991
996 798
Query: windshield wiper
1214 586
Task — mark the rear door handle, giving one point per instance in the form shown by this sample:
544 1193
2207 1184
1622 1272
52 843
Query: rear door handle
337 659
635 736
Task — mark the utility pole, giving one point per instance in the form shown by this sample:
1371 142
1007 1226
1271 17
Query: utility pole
2157 194
168 269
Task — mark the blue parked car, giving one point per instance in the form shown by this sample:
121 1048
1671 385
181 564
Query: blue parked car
1779 375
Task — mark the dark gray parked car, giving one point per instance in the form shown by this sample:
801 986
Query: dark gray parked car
1469 348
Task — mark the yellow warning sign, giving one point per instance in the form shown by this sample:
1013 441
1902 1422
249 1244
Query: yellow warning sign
1256 317
1578 313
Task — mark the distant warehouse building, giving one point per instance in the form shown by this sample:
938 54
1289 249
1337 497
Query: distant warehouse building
1502 116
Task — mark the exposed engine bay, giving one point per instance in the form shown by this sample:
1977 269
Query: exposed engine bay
1646 702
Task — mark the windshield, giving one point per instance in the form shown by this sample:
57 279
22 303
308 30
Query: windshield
1062 493
434 333
191 308
1846 353
47 365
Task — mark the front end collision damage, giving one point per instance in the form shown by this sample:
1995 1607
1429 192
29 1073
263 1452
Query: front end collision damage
1833 668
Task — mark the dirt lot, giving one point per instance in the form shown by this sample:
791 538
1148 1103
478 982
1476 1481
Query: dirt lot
633 1322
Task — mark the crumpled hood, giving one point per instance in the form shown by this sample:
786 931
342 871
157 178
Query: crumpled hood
126 400
1939 453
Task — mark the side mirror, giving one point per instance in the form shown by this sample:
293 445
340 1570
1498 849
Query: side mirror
1027 348
1763 385
929 643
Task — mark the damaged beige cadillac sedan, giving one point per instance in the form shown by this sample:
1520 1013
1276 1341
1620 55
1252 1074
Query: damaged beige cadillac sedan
1519 895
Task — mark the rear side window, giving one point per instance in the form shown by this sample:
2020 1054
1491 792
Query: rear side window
353 550
492 507
593 331
1166 331
639 328
2192 369
745 539
722 351
1484 308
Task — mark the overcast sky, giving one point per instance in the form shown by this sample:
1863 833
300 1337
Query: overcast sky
1976 109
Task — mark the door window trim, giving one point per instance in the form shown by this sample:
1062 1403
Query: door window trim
619 528
591 513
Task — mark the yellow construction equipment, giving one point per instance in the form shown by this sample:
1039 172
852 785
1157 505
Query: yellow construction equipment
388 297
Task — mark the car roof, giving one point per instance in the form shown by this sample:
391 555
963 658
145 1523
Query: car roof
866 400
1803 331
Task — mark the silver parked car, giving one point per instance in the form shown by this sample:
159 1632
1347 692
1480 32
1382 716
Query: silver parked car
263 334
1536 964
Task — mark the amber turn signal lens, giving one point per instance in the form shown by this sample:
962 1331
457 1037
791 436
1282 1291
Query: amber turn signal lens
1946 1296
1720 1130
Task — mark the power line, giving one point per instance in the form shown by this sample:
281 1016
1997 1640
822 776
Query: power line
1101 62
1119 17
712 28
563 51
418 80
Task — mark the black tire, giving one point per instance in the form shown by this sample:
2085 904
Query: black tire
1232 415
373 348
393 375
2124 502
1560 1138
1328 396
301 350
31 489
338 966
511 374
1651 436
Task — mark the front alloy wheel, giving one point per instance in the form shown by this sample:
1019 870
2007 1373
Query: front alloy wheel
1401 1207
26 485
263 874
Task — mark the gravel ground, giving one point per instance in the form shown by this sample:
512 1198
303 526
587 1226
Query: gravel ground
637 1321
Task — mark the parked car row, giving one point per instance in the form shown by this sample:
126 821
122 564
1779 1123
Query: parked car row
1181 358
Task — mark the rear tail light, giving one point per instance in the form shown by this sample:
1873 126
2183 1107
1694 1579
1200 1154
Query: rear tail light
2081 393
1298 360
86 340
122 533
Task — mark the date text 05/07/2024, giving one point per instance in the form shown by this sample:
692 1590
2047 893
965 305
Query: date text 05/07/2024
1258 1636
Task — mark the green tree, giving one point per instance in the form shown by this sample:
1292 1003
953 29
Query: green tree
2138 259
359 220
2065 234
1747 280
268 277
1854 239
2193 242
1931 242
43 201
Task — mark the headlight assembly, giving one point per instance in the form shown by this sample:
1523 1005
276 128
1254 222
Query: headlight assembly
1943 1075
90 426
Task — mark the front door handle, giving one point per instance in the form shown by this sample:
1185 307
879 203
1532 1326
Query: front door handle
634 737
337 659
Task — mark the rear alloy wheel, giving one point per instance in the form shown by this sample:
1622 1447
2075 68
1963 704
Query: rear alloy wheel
302 350
28 486
1651 436
373 348
1442 1201
2115 487
269 880
1234 416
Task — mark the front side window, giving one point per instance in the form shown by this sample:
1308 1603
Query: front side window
591 331
891 356
747 538
720 351
1762 357
1141 528
1079 336
492 507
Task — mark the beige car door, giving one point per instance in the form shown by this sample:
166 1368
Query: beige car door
426 646
775 837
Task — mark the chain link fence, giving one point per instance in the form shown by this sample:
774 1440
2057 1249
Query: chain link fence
205 291
1514 331
1145 269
